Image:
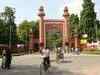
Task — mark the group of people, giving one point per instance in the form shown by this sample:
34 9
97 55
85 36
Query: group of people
45 53
60 51
75 50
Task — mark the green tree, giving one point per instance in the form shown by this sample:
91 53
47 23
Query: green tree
2 30
23 31
98 29
53 38
35 29
9 34
87 19
74 22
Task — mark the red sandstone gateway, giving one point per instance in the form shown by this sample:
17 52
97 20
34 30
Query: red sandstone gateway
47 25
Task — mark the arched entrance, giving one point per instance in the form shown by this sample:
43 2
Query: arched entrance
53 27
53 36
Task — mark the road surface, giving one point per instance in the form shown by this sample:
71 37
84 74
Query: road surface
72 65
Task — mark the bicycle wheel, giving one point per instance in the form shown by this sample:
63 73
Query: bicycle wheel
42 72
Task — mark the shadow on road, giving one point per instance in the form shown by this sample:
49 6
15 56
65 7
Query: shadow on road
56 71
66 61
63 61
34 70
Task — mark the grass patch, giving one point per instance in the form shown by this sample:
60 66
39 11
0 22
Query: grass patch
91 51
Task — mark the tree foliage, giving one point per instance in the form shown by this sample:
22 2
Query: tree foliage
87 19
53 38
74 22
24 29
98 29
35 29
7 22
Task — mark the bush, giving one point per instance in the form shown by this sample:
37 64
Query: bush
91 51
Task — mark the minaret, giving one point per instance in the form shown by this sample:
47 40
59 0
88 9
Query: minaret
41 14
66 32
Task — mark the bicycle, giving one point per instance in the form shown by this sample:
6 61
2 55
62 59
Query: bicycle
44 68
59 56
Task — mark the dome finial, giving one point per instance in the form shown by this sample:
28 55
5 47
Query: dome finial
66 11
41 11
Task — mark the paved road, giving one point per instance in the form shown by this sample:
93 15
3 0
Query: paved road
72 65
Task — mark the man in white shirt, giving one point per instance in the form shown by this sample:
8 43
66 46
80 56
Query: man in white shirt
46 56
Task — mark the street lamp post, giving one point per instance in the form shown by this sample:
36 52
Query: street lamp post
10 29
8 51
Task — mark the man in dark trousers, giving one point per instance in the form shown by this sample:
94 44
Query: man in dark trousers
8 58
3 59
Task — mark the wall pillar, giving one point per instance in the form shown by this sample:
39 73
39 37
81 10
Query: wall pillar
66 27
41 27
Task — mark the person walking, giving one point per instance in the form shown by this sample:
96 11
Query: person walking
46 56
8 58
3 65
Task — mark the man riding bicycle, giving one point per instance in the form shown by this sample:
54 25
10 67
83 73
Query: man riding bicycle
59 54
45 53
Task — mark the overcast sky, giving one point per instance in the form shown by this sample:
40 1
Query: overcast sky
28 9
